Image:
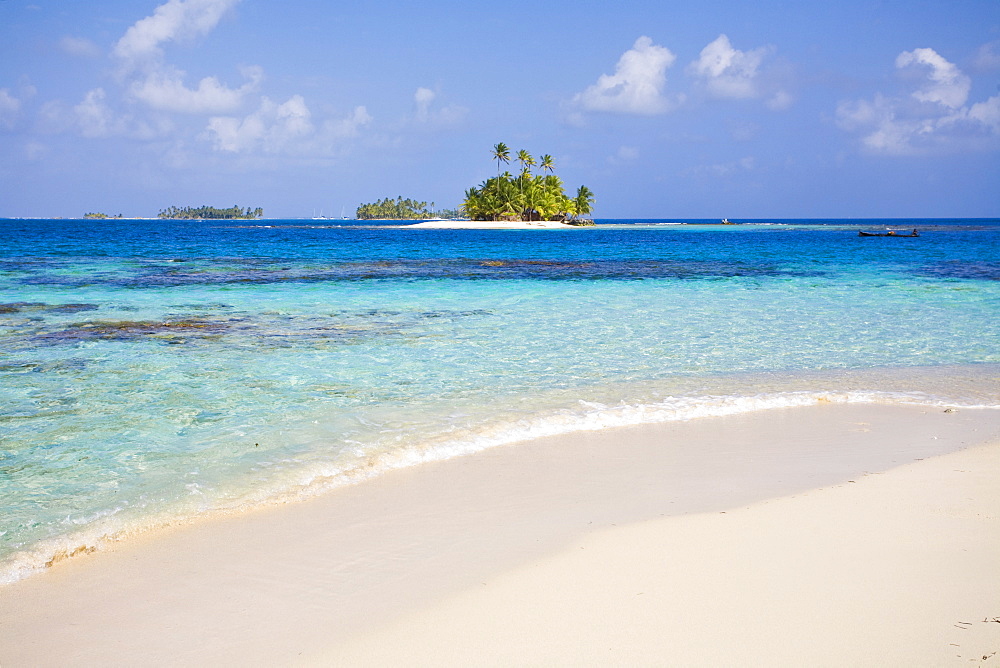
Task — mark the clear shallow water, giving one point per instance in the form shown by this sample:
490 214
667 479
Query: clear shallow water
152 371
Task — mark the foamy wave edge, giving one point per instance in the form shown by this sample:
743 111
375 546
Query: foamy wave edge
587 416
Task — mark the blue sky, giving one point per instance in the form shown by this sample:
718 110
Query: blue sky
771 109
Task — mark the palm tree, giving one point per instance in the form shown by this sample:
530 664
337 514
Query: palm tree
525 159
533 197
473 204
584 201
550 201
526 196
509 197
527 162
501 153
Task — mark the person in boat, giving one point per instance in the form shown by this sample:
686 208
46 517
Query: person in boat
914 233
891 233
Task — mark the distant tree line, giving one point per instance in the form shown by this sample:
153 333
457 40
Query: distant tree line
210 212
393 209
401 209
100 215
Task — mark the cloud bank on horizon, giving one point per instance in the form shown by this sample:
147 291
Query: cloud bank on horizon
729 92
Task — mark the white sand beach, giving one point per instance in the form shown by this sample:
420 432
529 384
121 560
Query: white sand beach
493 225
825 535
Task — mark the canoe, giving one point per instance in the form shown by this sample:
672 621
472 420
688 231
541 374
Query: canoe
890 233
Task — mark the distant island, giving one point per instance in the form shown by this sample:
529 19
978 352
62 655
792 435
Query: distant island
100 215
401 209
210 212
504 198
527 196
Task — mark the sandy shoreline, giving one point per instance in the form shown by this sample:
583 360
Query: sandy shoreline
699 543
899 569
493 225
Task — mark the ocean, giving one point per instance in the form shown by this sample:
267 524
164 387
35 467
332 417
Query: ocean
153 372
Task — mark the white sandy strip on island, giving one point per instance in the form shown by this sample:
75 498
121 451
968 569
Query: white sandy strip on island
494 225
511 556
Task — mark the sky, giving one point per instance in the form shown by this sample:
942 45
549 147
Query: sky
703 109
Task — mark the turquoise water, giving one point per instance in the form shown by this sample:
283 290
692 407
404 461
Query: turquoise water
152 371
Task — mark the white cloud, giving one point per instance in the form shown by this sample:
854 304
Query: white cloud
233 119
780 101
96 119
10 106
79 47
160 85
945 84
987 58
165 90
347 127
877 118
283 129
425 113
423 98
172 21
727 72
933 118
94 116
234 135
987 113
637 86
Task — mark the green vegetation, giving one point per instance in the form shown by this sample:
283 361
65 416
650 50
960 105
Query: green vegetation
394 209
210 212
401 209
100 215
527 196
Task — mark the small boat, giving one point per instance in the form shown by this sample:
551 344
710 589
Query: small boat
725 221
889 233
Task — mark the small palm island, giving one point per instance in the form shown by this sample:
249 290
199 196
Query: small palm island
525 200
527 197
